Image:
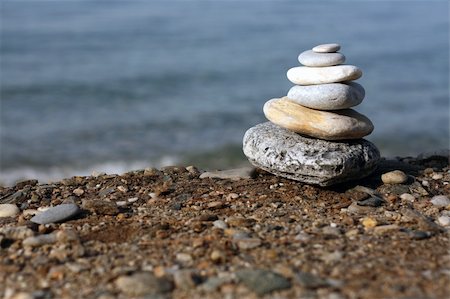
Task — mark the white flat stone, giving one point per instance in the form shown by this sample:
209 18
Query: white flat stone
8 210
332 96
303 75
314 59
327 48
336 125
55 214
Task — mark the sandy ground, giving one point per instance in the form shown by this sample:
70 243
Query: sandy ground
169 234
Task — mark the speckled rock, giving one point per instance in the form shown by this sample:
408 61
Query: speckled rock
336 125
314 59
287 154
332 96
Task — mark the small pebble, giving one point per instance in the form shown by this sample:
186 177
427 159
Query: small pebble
371 202
437 176
56 214
143 283
185 279
394 177
220 224
248 243
8 210
218 256
232 174
40 240
310 281
331 231
440 201
133 199
382 229
408 197
418 235
78 192
16 232
184 258
262 281
444 220
327 48
369 222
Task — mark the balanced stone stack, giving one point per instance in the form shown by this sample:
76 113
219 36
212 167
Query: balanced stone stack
312 135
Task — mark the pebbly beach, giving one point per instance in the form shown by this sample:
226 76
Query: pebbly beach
180 232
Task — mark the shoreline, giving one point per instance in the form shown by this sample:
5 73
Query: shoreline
167 233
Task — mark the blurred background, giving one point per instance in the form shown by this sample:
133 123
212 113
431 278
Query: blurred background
122 85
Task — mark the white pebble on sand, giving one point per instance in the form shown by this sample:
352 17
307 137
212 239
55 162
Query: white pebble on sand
8 210
440 201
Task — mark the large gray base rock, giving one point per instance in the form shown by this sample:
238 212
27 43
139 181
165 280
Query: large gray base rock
309 160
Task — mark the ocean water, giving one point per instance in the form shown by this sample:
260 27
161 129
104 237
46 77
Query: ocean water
115 86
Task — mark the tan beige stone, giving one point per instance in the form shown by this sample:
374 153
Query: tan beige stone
336 125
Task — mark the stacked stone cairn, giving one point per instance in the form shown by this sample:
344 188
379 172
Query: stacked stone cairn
313 136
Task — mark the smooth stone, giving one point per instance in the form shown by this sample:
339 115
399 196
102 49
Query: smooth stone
327 48
40 240
310 281
332 96
373 201
336 125
56 214
262 281
440 201
304 75
309 160
232 174
8 210
143 283
394 177
314 59
444 220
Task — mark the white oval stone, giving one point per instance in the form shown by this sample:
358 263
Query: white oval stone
332 96
313 59
440 201
336 125
303 75
327 48
56 214
8 210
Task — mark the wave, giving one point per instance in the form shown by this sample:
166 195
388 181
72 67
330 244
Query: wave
56 173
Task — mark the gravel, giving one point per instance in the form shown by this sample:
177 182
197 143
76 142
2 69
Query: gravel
269 237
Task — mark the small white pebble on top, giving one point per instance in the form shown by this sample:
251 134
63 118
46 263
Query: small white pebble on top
327 48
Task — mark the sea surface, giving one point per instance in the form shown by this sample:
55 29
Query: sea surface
120 85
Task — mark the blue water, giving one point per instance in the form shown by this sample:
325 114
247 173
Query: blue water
119 85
